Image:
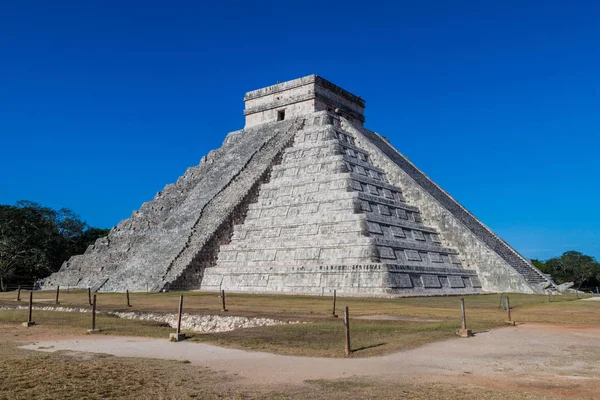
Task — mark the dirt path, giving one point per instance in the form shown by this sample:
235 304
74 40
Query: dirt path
533 356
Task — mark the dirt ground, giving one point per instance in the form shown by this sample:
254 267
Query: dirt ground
550 360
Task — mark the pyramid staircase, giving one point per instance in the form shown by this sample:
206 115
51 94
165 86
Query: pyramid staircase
328 209
520 264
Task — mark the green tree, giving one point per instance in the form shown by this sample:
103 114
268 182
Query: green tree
575 267
26 235
36 240
541 266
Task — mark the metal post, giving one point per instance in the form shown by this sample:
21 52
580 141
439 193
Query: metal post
19 293
57 293
508 309
223 299
179 316
549 298
347 326
90 295
334 300
128 303
501 305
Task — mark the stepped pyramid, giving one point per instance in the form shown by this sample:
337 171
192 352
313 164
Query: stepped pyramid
304 199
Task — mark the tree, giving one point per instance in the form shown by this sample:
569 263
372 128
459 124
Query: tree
36 240
25 236
541 266
575 267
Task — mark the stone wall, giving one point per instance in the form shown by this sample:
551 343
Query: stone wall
349 280
495 262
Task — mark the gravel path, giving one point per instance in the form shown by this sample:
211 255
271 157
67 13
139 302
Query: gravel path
528 353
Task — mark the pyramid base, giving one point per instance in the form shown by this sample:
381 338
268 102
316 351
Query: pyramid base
357 280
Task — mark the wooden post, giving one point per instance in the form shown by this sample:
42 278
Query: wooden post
577 293
127 293
334 300
347 326
464 332
177 337
57 293
30 314
93 330
90 295
549 298
179 316
464 316
510 321
94 314
19 293
29 318
223 300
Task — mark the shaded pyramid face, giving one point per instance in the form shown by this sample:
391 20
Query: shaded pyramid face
329 219
304 199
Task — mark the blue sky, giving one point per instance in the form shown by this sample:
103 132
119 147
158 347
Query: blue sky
102 103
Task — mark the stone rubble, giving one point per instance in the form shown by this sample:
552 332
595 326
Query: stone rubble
189 323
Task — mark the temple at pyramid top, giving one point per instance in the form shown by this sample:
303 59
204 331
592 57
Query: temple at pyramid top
304 199
301 96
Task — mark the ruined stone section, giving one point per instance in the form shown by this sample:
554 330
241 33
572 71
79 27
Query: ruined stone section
159 242
349 280
498 265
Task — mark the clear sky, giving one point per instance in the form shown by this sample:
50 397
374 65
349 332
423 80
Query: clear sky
102 103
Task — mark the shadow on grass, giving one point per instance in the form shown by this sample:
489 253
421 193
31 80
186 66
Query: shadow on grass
369 347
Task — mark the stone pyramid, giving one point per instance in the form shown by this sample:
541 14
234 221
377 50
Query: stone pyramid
303 200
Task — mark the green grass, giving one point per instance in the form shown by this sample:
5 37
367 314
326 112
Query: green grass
320 334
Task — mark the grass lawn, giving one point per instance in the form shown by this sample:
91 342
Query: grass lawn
421 319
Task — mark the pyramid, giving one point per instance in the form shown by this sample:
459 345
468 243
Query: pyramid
304 199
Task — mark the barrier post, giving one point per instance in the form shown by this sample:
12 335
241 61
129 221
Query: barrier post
178 337
30 313
347 326
464 332
510 321
334 300
223 300
93 330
